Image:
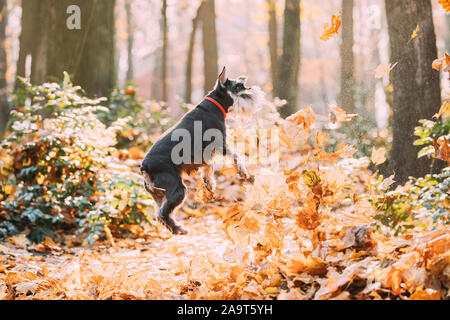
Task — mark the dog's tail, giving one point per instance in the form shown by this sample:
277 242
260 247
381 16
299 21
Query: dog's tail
150 187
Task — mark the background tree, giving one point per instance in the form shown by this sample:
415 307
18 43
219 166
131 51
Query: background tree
130 40
416 85
273 43
4 107
210 51
165 36
290 59
87 54
190 54
347 92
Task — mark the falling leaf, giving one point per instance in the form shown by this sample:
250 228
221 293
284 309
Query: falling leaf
437 64
378 156
445 110
415 32
445 4
384 69
388 182
340 115
332 30
321 138
305 117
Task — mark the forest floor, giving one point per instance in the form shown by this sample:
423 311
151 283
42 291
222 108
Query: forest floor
344 259
305 230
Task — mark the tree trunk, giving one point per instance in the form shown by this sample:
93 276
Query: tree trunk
33 39
130 40
190 56
347 94
4 107
416 85
164 50
273 44
290 59
210 51
27 22
87 54
447 37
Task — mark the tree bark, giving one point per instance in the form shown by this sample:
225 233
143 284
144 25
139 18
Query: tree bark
88 54
416 85
130 40
164 50
190 56
290 59
347 94
4 107
210 51
273 44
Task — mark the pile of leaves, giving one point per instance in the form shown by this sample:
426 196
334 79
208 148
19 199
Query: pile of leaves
60 169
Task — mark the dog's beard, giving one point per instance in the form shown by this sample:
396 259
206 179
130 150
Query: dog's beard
248 102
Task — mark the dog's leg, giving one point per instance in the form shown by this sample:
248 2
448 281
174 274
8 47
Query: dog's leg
208 178
168 191
174 198
239 165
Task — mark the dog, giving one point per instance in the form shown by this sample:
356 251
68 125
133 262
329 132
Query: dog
162 168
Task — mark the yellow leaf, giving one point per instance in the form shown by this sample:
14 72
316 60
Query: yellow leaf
271 290
310 178
415 32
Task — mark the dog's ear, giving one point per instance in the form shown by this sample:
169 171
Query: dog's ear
223 77
242 79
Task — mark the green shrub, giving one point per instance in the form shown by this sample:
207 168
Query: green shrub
428 195
56 169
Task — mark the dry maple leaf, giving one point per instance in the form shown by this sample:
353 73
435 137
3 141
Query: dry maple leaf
310 265
340 115
378 156
304 117
333 30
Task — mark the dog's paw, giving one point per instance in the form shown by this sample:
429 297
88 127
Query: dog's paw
178 230
243 173
210 185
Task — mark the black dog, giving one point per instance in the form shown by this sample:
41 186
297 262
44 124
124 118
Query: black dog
162 167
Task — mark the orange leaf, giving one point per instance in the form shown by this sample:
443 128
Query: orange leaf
305 117
331 31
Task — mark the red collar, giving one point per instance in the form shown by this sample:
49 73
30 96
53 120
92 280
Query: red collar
218 105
